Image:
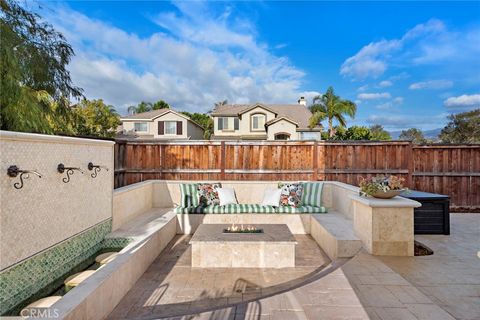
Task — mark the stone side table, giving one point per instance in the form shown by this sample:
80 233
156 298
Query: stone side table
385 226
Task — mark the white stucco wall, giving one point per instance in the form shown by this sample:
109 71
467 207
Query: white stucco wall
231 132
46 210
245 121
244 124
282 126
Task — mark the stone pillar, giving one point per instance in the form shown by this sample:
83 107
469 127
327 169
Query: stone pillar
385 226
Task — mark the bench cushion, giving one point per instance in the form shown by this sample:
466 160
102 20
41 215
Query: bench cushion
248 208
229 208
312 194
189 194
302 209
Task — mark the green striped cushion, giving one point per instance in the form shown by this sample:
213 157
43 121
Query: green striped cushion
199 209
302 209
288 209
229 208
312 194
189 194
247 208
314 209
181 209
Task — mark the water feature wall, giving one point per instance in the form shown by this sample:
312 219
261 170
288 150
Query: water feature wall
50 224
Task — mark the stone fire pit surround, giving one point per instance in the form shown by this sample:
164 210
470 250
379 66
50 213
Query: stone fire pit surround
273 248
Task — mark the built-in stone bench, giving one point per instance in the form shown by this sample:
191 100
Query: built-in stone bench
385 226
334 233
143 212
96 296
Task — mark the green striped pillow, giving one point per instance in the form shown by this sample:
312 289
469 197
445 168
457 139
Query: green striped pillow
312 194
189 194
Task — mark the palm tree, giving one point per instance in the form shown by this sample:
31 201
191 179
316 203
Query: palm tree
140 108
217 104
221 103
332 107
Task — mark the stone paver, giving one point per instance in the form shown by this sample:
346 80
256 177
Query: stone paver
451 276
443 286
171 287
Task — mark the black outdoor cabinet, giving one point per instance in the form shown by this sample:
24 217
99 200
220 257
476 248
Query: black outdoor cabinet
433 217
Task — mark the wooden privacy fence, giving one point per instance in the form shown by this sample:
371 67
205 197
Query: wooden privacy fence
446 169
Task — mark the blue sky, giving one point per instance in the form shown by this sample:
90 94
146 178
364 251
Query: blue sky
406 64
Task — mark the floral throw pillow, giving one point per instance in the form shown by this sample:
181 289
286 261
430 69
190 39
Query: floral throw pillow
291 194
208 194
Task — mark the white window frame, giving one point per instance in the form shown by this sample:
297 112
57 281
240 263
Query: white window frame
165 128
258 115
225 124
140 123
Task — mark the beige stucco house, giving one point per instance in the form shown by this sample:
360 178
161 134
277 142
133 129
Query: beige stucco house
164 124
260 121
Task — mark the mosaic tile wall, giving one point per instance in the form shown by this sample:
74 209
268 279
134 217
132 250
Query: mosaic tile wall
47 211
45 272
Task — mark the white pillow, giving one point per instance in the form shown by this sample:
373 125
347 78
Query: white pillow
226 196
271 197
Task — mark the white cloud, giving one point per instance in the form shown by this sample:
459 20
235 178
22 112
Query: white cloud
463 102
427 43
398 100
385 83
368 62
195 59
363 88
431 84
374 96
389 105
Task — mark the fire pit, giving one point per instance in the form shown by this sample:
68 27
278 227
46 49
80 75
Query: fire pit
242 229
259 246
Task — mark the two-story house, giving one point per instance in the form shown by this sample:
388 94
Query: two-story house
163 124
260 121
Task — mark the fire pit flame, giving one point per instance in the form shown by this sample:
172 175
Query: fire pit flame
242 229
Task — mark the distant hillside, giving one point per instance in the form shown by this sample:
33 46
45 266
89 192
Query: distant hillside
430 134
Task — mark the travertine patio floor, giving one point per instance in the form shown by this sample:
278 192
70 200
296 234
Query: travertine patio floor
443 286
451 276
172 287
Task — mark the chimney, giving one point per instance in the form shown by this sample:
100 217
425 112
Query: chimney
302 101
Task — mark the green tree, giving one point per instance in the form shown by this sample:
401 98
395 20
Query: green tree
160 104
331 107
204 120
358 133
379 133
95 118
33 74
462 128
148 106
413 134
140 108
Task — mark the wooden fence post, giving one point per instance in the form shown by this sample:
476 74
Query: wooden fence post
162 161
222 160
410 165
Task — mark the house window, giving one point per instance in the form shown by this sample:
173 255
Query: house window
258 122
223 123
282 136
170 127
141 127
